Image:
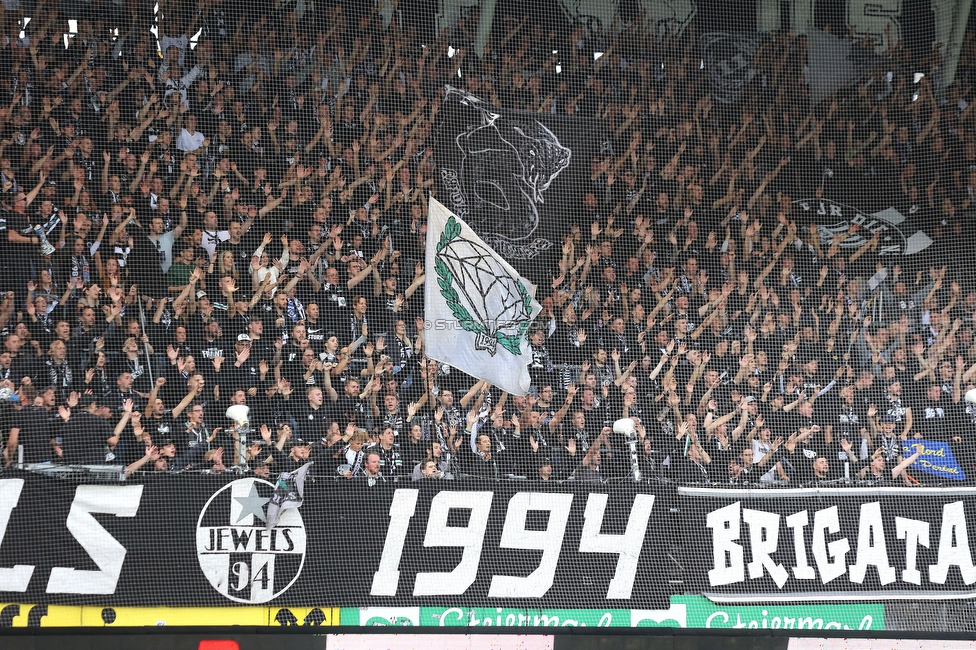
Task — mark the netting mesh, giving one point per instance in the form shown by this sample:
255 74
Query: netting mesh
738 230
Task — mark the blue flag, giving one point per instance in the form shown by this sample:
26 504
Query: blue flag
936 458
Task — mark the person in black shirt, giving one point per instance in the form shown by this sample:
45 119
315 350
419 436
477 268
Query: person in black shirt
314 418
819 470
236 245
332 453
479 461
157 420
391 463
932 416
873 469
116 398
87 432
541 368
333 302
18 242
33 427
413 450
353 406
299 453
315 330
846 420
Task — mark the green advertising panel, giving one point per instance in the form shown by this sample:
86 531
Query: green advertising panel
685 611
703 613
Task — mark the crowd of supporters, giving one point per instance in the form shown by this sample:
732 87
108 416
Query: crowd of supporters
240 219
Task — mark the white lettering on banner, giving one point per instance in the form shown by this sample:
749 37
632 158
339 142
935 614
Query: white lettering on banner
764 535
514 535
549 541
457 616
721 619
830 555
471 538
953 546
660 17
871 546
261 581
627 546
727 555
387 576
827 521
14 578
875 19
796 522
914 533
102 548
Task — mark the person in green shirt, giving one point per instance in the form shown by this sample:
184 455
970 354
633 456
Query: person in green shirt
178 275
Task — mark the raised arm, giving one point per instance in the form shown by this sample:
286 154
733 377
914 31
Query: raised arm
179 408
151 454
559 415
898 469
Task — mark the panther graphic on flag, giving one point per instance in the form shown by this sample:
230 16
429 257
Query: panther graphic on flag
509 163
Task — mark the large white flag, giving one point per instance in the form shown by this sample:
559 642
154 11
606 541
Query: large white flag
478 307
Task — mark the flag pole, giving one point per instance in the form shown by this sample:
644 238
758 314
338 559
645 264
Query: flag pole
142 323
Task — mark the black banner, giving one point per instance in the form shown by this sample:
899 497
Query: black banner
823 544
728 62
194 541
189 541
898 234
514 176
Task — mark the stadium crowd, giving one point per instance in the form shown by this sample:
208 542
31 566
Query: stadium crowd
241 220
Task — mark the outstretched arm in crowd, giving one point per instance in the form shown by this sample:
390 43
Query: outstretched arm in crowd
471 423
152 454
900 468
186 401
559 415
716 423
153 394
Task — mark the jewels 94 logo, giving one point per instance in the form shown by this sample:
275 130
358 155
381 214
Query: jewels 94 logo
240 557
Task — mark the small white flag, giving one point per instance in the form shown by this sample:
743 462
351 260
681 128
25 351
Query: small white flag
289 492
478 308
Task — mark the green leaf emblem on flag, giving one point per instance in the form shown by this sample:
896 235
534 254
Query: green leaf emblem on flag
484 297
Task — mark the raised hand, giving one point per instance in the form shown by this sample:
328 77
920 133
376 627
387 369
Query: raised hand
571 391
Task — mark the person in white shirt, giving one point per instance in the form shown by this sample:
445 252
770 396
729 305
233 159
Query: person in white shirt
190 139
262 265
164 240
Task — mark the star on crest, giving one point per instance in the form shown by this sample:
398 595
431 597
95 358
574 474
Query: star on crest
252 504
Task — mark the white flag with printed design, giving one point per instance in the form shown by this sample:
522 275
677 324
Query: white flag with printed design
478 308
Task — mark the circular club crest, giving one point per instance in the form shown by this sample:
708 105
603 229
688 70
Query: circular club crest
240 557
832 219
